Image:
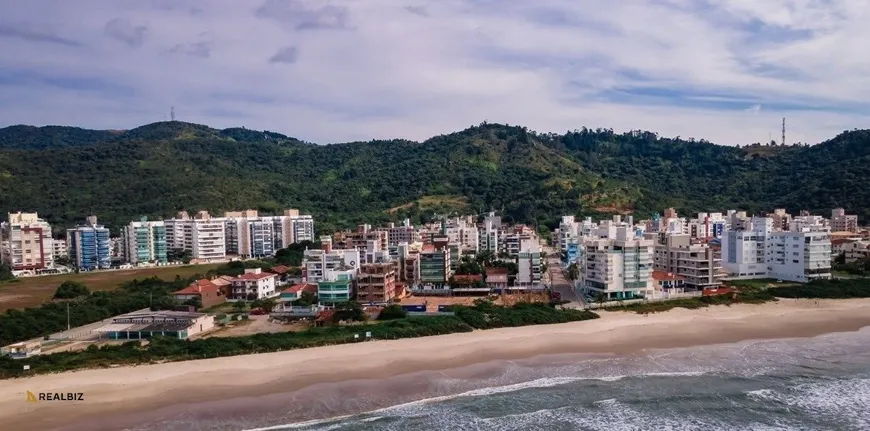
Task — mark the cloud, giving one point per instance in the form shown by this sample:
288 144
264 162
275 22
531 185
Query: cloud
297 15
121 29
288 54
196 49
27 32
551 65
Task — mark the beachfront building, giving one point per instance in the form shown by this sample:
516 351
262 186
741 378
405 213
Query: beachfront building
253 284
60 250
377 282
89 246
854 251
336 286
802 254
434 270
203 236
529 268
617 264
697 264
144 241
841 222
568 233
316 262
497 279
26 243
744 248
144 324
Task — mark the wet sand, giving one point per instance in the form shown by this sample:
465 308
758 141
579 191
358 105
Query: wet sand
256 384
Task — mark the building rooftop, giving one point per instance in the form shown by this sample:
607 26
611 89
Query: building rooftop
496 271
199 287
302 287
250 276
666 276
280 269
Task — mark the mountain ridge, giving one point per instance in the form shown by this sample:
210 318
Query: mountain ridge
163 167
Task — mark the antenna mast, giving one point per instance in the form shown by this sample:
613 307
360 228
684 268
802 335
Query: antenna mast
783 131
172 117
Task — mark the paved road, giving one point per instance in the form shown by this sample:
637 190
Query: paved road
558 282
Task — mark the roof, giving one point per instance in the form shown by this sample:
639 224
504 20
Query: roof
467 278
198 287
302 287
249 276
496 271
840 241
325 316
224 280
666 276
280 269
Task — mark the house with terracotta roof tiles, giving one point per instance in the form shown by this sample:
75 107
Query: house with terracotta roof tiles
205 290
253 284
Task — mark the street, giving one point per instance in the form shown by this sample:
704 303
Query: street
558 282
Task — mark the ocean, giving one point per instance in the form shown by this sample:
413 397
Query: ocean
820 383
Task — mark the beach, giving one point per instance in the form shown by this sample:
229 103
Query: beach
125 397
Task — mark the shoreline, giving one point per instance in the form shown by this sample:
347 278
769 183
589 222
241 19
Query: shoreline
130 394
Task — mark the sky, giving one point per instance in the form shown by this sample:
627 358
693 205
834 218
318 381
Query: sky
325 71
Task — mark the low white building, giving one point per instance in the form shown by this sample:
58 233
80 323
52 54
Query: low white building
253 284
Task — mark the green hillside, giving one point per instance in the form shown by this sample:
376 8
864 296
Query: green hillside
66 173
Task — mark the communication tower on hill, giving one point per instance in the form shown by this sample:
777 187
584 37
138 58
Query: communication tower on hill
172 115
783 131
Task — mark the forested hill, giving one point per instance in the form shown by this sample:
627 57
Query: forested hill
66 173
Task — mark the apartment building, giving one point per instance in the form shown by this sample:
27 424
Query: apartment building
619 267
744 250
336 286
463 231
840 222
856 250
706 225
697 264
781 219
315 263
568 233
401 234
529 267
253 284
377 282
89 246
144 241
203 235
26 242
60 250
802 254
434 264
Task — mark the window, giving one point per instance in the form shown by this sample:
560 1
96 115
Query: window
795 261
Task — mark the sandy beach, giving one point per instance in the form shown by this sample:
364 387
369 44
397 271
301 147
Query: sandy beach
143 389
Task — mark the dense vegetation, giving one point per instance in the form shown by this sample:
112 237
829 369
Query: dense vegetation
483 315
161 168
826 289
20 325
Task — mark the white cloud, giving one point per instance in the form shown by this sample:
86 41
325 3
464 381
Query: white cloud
390 68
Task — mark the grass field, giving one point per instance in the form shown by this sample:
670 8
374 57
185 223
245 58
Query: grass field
33 291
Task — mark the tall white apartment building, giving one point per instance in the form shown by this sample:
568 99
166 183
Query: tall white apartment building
316 262
204 236
841 222
249 234
802 254
569 232
529 266
26 242
302 227
618 266
490 236
743 250
463 232
406 233
706 225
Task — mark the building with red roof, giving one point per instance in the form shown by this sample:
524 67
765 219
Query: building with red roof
205 290
253 284
497 278
668 281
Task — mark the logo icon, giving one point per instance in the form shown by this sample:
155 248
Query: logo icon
31 398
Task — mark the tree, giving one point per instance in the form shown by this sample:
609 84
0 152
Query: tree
600 298
573 271
179 255
70 290
267 304
306 299
469 265
239 306
349 311
392 312
195 301
62 260
6 272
